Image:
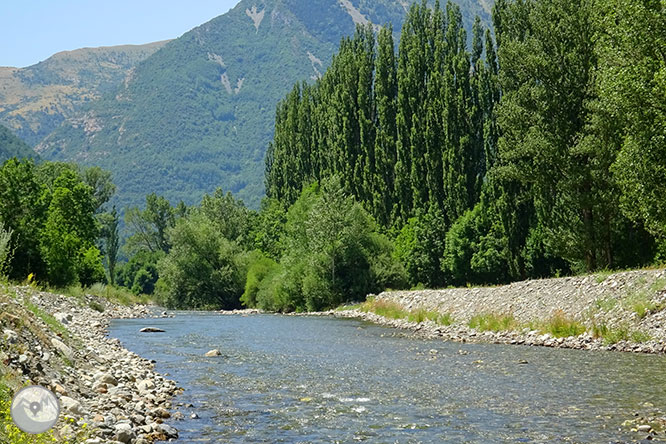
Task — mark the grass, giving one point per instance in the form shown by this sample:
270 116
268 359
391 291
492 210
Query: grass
559 326
642 301
349 307
393 310
52 323
605 304
386 309
614 335
493 322
602 275
116 295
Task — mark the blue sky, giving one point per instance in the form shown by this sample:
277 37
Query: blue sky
33 30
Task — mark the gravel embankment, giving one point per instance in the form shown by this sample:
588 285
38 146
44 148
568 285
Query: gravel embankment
107 393
632 301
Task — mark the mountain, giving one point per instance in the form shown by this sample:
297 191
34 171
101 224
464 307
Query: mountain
12 146
35 100
199 113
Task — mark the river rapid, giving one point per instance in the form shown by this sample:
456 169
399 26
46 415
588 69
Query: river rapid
318 379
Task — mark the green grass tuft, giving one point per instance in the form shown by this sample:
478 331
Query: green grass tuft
49 320
493 322
560 326
393 310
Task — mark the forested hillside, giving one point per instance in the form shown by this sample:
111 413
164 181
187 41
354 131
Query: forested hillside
199 113
12 146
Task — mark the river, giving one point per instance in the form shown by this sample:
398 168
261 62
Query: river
319 379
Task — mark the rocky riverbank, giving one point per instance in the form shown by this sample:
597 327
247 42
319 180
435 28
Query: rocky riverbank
621 311
107 394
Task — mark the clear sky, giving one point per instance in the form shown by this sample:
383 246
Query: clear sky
33 30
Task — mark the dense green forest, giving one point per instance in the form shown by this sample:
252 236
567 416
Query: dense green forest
535 153
538 150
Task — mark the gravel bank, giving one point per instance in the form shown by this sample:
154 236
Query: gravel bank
633 301
107 393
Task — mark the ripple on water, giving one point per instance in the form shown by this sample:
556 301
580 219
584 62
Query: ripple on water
301 379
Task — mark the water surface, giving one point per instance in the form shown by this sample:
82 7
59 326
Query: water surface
313 379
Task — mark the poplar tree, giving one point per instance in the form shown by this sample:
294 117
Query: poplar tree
386 89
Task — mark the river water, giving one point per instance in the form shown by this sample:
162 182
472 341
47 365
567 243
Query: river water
319 379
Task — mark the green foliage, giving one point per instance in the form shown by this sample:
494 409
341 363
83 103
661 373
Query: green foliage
632 86
24 206
144 282
90 268
70 231
202 269
268 228
230 216
419 246
332 254
259 269
110 241
407 134
144 263
6 250
150 225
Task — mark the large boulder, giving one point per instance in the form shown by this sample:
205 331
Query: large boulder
124 433
63 318
71 405
167 430
62 348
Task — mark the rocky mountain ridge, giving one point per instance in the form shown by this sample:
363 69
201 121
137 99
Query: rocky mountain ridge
35 100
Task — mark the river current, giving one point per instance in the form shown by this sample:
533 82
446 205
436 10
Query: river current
299 379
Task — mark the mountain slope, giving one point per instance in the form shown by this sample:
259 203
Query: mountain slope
199 113
37 99
12 146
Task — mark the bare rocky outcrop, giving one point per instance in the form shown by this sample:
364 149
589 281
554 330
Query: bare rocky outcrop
256 16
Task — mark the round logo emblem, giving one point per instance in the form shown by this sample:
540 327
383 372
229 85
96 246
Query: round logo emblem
35 409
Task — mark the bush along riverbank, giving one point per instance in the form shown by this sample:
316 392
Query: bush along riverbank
107 394
622 311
